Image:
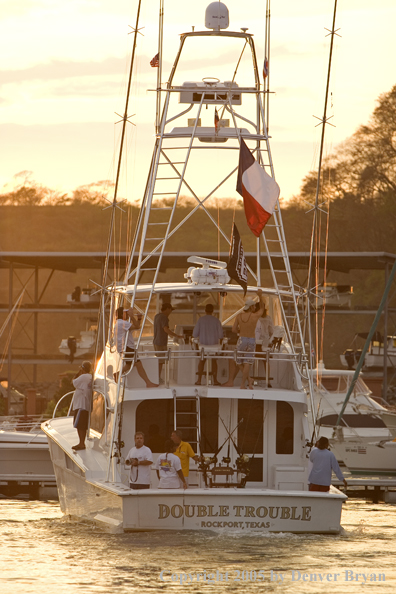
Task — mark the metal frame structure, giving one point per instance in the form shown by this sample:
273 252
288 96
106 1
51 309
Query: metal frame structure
51 262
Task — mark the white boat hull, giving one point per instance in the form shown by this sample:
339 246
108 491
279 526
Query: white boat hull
231 510
24 457
368 459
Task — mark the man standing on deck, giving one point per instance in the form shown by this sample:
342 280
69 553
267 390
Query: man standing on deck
209 331
184 451
323 462
161 333
140 458
245 325
82 382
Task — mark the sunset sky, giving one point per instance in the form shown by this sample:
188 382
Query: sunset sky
64 67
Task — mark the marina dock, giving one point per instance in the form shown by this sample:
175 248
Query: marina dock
370 488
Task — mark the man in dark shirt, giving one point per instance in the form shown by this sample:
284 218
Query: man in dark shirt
162 331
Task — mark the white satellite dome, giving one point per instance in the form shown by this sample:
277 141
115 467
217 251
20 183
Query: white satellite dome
216 16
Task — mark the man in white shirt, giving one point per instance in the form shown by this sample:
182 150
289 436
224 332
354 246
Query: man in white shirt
82 402
121 328
140 458
169 470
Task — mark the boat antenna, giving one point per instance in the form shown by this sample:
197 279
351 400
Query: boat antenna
317 207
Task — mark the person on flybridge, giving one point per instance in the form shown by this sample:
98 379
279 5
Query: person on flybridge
209 331
245 326
122 326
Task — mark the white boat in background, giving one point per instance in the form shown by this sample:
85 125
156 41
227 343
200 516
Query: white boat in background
369 459
253 443
364 421
84 296
78 347
333 295
374 359
25 462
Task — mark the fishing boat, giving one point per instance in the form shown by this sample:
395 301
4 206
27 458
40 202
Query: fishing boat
253 443
85 296
364 420
369 459
74 347
375 357
333 295
25 462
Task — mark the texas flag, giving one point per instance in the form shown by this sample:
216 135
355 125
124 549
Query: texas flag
259 190
265 68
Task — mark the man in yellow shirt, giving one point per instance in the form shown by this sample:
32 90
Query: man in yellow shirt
184 451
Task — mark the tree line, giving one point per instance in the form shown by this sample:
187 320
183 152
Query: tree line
358 185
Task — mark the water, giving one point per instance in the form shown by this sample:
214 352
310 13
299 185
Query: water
43 552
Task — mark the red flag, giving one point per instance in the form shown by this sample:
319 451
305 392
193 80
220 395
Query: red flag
259 190
154 63
265 68
216 120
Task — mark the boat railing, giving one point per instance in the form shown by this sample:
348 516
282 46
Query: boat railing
202 354
180 362
26 423
60 400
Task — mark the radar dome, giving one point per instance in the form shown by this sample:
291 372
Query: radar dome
216 16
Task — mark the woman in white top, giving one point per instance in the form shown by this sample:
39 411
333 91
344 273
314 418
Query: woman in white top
121 329
168 467
264 331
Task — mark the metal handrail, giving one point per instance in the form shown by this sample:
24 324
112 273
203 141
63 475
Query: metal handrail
196 354
60 400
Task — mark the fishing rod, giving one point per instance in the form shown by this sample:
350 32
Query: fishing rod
229 436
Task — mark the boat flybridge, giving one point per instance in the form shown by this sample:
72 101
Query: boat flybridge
253 443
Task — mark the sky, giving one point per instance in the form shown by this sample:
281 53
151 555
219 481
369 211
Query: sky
64 68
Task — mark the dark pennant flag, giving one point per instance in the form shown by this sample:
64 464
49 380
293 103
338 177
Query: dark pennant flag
236 266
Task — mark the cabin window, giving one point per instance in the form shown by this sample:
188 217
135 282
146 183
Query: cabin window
250 431
209 425
352 421
284 428
335 383
250 436
156 419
